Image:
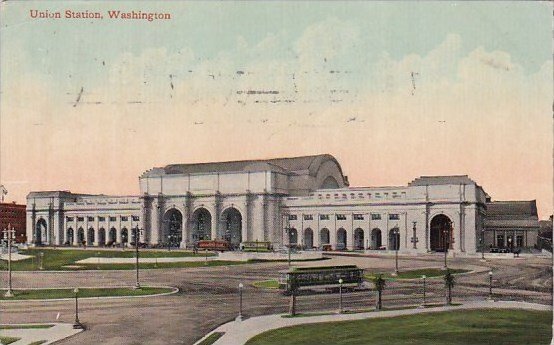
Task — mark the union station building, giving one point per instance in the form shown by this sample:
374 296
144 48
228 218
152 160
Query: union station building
305 201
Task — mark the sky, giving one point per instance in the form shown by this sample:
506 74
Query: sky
394 90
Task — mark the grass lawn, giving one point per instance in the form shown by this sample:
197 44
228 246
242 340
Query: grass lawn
25 326
414 274
210 263
7 340
212 338
56 259
267 284
475 327
84 292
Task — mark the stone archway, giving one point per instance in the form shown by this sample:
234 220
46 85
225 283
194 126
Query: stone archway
69 236
40 232
112 237
201 225
90 236
441 233
376 238
394 239
324 236
308 238
231 220
172 233
124 236
341 239
359 239
101 237
293 236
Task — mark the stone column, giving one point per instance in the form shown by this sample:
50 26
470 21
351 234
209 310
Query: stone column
144 224
216 217
246 217
96 232
333 234
75 232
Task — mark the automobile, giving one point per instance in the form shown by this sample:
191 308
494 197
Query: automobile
382 248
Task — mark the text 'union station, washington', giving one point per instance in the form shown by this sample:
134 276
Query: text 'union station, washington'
304 200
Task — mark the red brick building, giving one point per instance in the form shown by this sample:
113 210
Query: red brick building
14 214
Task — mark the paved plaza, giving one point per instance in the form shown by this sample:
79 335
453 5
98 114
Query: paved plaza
208 296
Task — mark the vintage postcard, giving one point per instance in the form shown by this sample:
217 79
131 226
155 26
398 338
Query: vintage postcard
276 172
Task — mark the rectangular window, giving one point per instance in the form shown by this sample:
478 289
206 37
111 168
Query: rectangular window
358 217
101 219
323 217
293 217
90 219
341 217
375 216
519 241
135 218
308 217
80 219
394 216
69 219
113 219
500 241
124 218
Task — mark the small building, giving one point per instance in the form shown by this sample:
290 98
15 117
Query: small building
14 215
511 224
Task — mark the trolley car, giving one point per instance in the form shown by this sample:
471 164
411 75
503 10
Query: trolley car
327 277
217 245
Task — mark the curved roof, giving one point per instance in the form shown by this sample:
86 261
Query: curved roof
283 165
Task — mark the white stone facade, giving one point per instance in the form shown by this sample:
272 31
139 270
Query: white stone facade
260 201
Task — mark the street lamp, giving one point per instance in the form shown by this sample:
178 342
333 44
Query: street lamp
446 233
423 304
396 234
340 295
239 317
137 284
41 260
9 237
482 244
77 324
490 286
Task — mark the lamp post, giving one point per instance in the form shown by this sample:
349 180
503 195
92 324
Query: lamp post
340 295
137 284
77 324
424 301
490 286
169 242
41 260
482 244
396 234
445 236
239 317
9 237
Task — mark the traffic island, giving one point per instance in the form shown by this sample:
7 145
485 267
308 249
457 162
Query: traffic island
68 293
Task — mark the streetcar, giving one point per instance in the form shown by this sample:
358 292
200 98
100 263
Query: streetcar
326 277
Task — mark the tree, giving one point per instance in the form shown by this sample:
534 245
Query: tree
293 289
379 283
449 282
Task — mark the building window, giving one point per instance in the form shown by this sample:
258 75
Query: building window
69 219
500 241
124 218
394 216
135 218
358 216
308 217
101 219
90 219
80 219
341 217
361 195
113 219
293 217
375 216
323 217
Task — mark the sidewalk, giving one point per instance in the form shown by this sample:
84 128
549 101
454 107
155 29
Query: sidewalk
103 260
238 332
50 335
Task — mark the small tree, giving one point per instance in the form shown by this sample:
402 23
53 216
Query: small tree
379 284
449 282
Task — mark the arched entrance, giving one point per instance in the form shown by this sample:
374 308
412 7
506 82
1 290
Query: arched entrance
232 226
359 239
441 233
324 237
308 238
112 237
40 232
81 236
394 239
173 227
293 236
201 225
101 237
90 237
124 236
69 237
376 241
341 239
